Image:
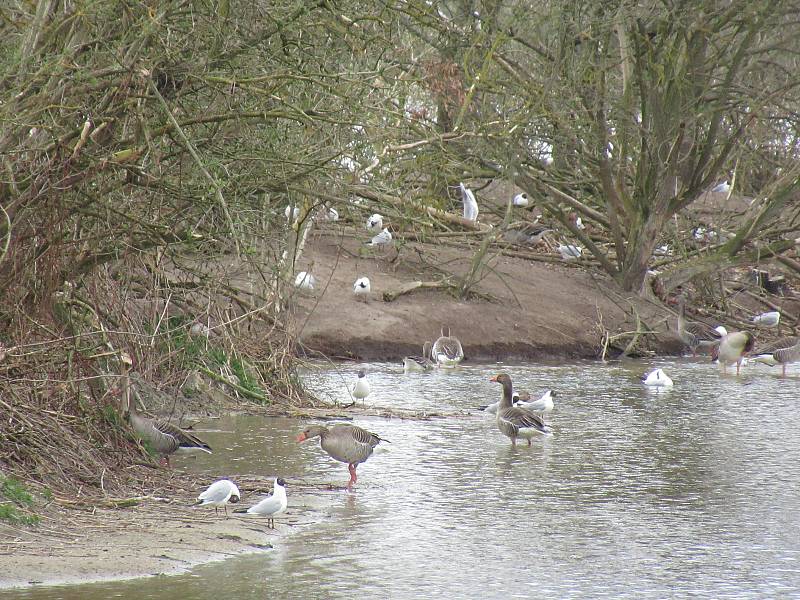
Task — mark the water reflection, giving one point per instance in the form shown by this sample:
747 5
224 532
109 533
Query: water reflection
692 491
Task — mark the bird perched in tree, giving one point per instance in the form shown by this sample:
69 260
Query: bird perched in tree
361 288
470 204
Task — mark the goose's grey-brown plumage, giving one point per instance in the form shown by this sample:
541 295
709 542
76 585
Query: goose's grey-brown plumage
447 350
732 348
343 442
781 352
162 436
419 363
525 233
515 422
695 335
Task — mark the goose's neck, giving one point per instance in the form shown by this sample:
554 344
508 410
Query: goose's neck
508 395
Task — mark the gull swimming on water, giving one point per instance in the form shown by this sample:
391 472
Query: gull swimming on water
657 378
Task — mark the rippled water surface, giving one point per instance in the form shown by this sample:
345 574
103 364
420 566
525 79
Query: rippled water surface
691 492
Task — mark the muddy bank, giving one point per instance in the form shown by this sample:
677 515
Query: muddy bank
80 541
519 310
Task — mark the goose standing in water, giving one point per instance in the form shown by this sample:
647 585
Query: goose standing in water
513 421
219 494
419 363
781 352
271 506
162 436
732 348
361 389
447 351
696 335
345 443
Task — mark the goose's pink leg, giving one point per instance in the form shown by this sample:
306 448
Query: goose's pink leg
353 477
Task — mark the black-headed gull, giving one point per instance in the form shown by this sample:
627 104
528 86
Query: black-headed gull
361 389
219 493
657 378
271 506
374 223
291 212
768 319
383 239
305 281
470 204
361 288
521 200
569 251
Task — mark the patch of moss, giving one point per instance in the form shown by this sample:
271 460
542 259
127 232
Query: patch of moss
15 495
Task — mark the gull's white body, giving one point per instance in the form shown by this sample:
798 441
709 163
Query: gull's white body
361 287
470 203
657 378
569 251
521 200
375 223
219 493
305 281
384 238
768 319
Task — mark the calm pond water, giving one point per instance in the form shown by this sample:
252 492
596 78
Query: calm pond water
639 494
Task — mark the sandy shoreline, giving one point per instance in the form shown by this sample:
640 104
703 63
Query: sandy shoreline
160 536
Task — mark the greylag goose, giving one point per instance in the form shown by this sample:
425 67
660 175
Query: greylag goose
271 506
513 421
361 288
345 443
525 233
219 494
657 378
361 388
781 352
732 348
161 435
696 335
419 363
447 350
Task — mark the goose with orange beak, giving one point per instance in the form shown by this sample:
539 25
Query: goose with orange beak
515 422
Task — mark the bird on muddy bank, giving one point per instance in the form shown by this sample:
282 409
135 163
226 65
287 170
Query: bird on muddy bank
305 281
768 319
520 200
382 240
470 203
271 506
161 435
219 493
781 352
419 363
374 223
697 336
344 442
447 350
515 422
361 288
732 348
361 389
569 251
